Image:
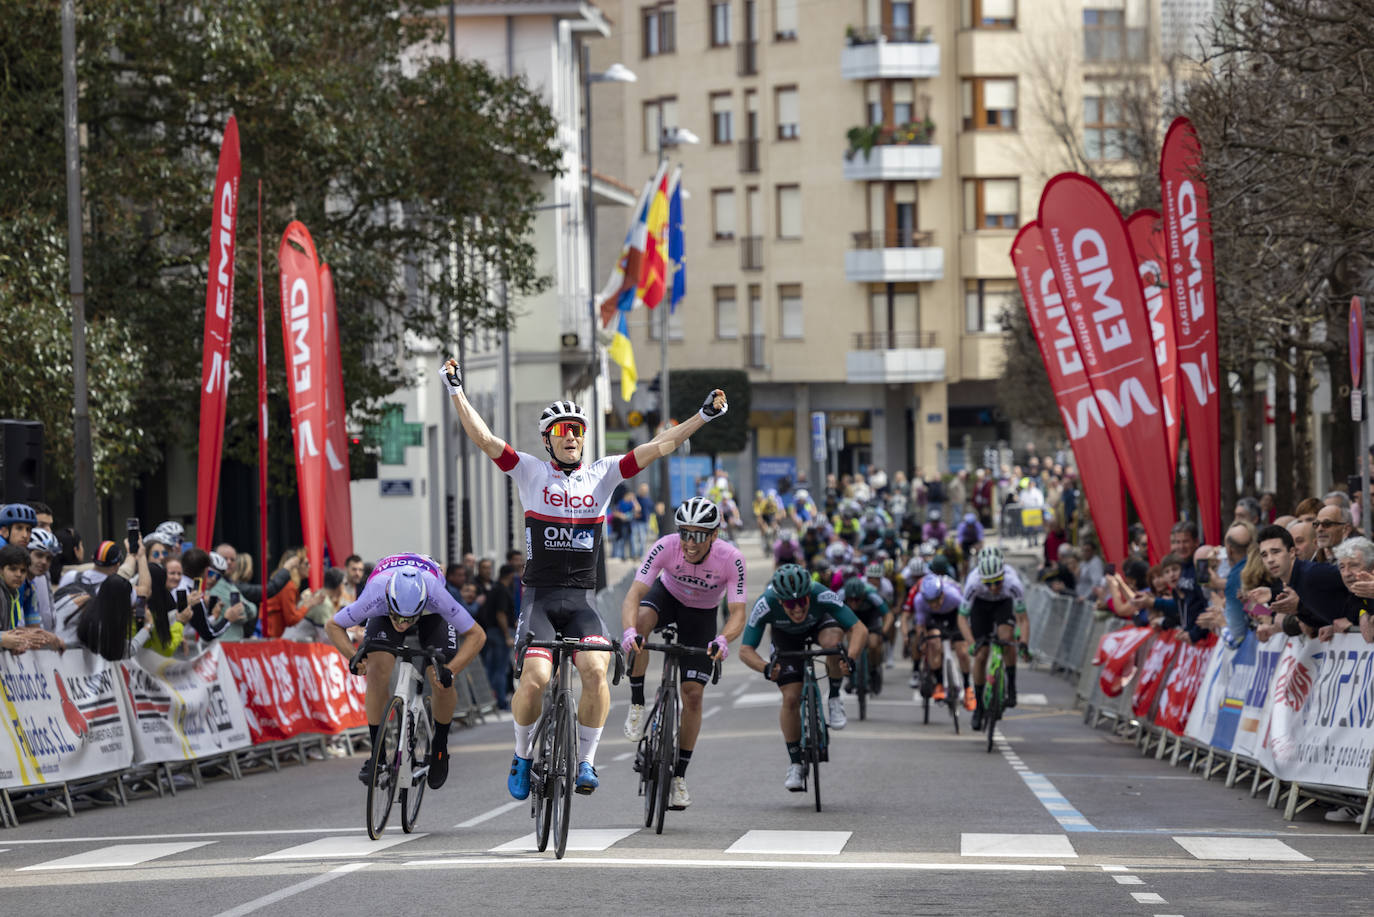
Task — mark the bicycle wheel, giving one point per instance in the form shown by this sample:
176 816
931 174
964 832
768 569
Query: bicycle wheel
386 764
953 695
652 751
861 683
667 759
421 737
994 711
813 719
540 790
564 772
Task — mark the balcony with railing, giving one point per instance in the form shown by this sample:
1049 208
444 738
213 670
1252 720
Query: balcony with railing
748 58
753 351
751 253
905 256
749 155
889 52
881 357
903 153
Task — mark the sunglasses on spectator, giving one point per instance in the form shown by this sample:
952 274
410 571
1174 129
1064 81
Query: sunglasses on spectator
1329 523
213 574
567 428
695 537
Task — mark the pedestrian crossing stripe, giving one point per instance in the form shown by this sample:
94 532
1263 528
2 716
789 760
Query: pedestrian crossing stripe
116 855
354 845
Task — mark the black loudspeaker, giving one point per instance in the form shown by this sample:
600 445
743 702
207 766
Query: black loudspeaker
21 461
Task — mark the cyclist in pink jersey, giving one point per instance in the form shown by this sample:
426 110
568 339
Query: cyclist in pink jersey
681 581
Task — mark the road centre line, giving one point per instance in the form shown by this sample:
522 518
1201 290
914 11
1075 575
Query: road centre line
258 904
502 809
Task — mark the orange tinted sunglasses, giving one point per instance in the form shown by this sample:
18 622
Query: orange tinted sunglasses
567 428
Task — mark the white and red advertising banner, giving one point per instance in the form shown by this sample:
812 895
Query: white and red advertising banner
1153 673
302 325
1146 230
1185 679
64 716
1092 449
184 708
1116 656
289 688
219 320
338 503
1318 724
1188 229
1091 253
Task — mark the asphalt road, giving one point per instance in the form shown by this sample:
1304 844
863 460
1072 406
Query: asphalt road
1057 820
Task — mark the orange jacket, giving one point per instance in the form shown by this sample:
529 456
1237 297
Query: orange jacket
282 611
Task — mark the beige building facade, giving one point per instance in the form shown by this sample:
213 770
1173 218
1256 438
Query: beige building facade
863 167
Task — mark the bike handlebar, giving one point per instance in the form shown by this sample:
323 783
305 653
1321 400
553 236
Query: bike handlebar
680 649
408 653
561 644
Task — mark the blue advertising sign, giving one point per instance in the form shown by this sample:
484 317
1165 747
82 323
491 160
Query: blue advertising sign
684 471
773 470
818 436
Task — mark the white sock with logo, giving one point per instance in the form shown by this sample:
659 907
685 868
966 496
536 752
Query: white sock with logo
524 739
588 737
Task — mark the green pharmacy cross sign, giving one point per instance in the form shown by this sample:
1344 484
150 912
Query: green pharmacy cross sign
394 434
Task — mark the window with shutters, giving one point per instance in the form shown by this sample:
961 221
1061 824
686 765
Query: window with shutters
790 322
991 203
873 102
785 20
903 103
989 103
789 212
988 14
984 303
720 23
788 107
727 314
659 115
1104 128
722 118
1109 37
659 29
723 213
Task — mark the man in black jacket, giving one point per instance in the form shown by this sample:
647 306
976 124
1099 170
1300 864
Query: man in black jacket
1312 595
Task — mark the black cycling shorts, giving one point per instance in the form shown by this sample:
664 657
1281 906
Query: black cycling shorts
947 624
783 642
986 614
435 634
546 612
695 627
871 617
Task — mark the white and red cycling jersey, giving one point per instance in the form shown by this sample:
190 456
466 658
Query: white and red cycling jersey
565 514
698 585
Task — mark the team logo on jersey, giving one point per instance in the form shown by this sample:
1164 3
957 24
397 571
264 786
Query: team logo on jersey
567 538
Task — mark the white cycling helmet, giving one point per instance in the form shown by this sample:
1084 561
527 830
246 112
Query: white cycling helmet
45 541
174 529
220 563
560 410
698 512
991 569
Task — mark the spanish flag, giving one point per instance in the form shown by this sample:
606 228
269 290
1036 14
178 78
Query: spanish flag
654 276
623 354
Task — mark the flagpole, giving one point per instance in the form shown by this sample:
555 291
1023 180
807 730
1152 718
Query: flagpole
665 402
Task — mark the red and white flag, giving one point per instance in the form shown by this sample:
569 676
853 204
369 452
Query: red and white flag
338 505
1146 230
219 321
302 325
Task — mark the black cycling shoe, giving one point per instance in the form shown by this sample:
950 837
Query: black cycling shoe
365 774
977 723
1011 698
438 768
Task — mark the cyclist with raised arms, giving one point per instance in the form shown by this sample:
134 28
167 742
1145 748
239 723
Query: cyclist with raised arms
799 610
934 606
681 581
1011 586
565 500
989 612
402 588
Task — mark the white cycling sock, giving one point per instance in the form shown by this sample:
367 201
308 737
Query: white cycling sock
524 739
588 737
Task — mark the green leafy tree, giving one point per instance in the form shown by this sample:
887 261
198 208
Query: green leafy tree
392 167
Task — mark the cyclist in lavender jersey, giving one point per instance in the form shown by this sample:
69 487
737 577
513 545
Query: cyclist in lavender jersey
565 503
681 581
934 605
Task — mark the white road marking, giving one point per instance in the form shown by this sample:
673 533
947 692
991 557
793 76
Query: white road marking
1129 880
259 903
163 837
624 756
583 839
1015 845
338 847
640 863
499 810
792 843
117 855
1148 898
763 699
744 686
1113 868
710 713
1032 700
1239 848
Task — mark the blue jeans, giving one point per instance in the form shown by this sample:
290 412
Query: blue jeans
496 662
620 544
639 537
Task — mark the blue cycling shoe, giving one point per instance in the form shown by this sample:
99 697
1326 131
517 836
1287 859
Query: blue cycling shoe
586 779
519 780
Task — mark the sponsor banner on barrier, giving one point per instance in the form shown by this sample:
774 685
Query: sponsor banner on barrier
1217 688
1181 690
1252 711
64 717
289 688
184 708
1153 672
1116 656
1320 710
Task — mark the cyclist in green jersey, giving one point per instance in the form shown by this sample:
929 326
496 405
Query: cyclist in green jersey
799 610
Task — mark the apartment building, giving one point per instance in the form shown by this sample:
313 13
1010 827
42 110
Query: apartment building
863 168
